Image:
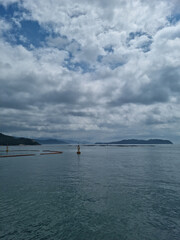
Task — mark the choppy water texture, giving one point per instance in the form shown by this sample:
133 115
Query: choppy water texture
106 193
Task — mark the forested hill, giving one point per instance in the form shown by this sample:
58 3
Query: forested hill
136 141
9 140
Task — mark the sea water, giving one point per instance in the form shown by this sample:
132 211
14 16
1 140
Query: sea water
106 193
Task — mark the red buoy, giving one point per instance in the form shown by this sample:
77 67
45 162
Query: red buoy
78 150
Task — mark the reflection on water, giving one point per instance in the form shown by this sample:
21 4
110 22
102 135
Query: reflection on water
107 192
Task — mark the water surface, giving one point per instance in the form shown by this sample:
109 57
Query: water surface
108 193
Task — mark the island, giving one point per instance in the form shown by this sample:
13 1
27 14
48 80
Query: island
136 141
13 141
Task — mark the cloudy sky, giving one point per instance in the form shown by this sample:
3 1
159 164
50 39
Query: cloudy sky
94 70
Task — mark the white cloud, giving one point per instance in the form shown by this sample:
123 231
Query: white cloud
4 27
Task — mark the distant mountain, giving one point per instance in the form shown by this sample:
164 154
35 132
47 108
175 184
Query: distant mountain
51 141
10 140
59 141
136 141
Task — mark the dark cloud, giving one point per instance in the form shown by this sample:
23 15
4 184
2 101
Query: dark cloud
61 97
171 79
80 114
7 128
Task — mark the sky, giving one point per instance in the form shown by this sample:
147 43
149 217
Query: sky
94 70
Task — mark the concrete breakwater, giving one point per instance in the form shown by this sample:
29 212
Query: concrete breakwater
46 152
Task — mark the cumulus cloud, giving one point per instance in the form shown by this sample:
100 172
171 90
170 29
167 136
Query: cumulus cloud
100 69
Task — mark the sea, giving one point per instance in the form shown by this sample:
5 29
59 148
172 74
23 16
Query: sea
105 193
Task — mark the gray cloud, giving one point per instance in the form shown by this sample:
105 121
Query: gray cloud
61 97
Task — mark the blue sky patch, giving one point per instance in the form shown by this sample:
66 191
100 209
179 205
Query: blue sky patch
173 19
8 13
27 32
146 46
133 35
109 49
30 33
78 66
